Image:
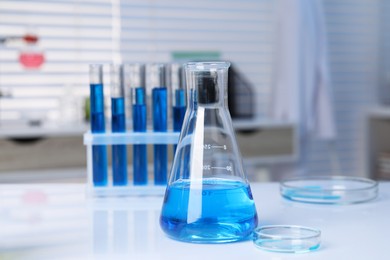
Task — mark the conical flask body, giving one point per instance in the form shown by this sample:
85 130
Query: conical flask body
208 198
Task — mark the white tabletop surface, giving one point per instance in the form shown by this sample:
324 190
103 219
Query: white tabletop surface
55 221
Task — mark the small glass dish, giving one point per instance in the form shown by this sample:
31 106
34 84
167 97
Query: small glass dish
329 189
287 239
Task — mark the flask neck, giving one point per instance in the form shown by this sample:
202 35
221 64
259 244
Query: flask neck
207 84
194 102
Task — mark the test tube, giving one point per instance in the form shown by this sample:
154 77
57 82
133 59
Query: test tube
159 107
178 97
134 80
99 152
118 125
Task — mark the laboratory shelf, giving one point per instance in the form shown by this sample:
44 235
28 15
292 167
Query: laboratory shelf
45 130
378 143
263 123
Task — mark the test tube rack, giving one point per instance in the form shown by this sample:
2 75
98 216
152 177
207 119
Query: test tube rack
127 138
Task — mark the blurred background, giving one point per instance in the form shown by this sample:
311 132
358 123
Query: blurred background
309 94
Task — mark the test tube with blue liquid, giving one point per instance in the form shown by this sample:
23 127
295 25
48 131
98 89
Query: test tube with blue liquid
134 75
178 97
118 125
160 122
99 152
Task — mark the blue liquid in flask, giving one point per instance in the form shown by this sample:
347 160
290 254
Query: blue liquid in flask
218 211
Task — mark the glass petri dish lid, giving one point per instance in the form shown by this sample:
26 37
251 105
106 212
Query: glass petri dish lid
329 189
287 238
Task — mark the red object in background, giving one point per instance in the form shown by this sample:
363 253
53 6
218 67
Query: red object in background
30 38
31 60
30 56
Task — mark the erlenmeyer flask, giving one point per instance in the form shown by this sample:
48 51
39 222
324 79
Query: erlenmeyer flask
208 198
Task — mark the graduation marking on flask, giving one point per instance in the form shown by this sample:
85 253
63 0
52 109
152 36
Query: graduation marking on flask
213 146
208 167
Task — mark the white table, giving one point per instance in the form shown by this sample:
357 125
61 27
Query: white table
57 222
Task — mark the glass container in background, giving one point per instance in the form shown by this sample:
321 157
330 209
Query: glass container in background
208 198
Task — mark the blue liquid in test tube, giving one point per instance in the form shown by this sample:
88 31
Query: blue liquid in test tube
134 78
179 110
156 75
175 82
159 101
140 162
99 152
118 125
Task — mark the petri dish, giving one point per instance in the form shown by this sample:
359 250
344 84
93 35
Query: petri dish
329 189
287 238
